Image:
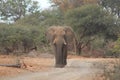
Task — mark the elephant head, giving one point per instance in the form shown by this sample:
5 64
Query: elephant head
59 37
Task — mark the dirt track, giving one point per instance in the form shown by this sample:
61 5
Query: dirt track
76 69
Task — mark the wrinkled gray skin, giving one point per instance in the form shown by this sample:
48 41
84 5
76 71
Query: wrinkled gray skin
59 37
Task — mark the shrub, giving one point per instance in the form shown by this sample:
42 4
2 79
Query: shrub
14 38
113 74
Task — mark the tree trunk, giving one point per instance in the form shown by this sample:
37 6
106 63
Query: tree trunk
79 48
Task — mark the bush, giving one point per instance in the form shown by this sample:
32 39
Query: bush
116 48
112 74
110 70
14 38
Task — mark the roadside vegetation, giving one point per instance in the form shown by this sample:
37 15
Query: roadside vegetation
113 74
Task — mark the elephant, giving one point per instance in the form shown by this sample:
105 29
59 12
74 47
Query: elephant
59 37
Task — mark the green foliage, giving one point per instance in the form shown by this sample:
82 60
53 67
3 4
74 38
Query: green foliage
45 18
52 17
12 10
116 48
98 43
30 20
90 20
12 36
112 6
26 33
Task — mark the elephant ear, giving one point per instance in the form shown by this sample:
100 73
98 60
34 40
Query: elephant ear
69 34
71 38
50 33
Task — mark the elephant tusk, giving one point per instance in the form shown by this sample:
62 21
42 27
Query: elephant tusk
54 41
65 42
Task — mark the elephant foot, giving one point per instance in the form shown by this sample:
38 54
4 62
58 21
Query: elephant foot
59 66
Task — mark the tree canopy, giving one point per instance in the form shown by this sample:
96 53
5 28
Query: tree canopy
113 6
91 20
12 10
70 4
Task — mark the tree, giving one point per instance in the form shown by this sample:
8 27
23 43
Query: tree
23 35
113 6
44 18
70 4
12 10
89 21
20 37
52 17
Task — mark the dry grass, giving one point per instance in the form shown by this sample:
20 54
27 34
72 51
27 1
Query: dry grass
110 70
32 64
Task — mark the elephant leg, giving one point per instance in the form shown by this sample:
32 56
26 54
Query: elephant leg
59 61
57 57
60 57
64 55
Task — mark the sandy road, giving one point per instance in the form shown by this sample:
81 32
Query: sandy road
76 69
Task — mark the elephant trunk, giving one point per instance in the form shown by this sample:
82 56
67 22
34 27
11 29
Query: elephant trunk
60 55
